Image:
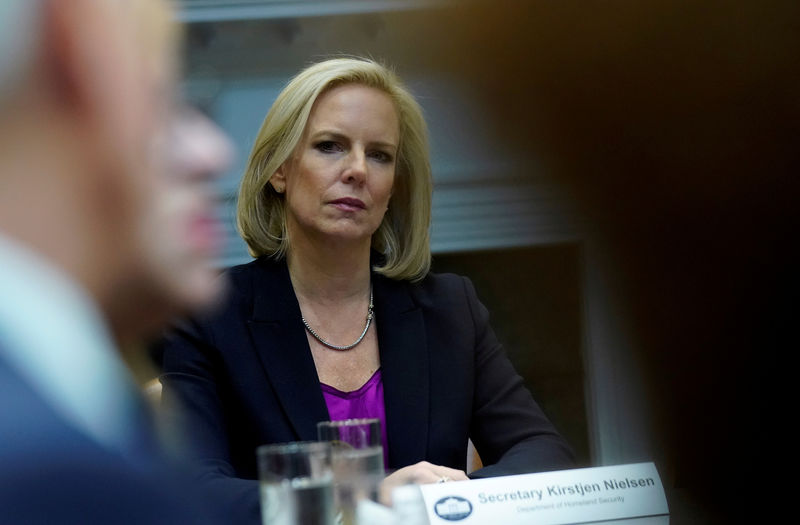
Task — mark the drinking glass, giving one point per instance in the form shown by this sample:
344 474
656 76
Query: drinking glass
296 484
357 460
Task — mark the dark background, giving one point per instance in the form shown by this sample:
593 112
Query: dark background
676 125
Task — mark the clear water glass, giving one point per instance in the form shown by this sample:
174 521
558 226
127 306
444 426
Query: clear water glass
296 481
357 461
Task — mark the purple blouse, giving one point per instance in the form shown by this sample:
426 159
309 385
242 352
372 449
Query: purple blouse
366 402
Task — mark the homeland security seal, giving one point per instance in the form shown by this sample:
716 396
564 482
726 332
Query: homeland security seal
453 508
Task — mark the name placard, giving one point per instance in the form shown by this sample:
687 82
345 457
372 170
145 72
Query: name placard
629 493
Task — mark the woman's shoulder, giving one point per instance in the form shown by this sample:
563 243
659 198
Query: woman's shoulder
435 280
441 287
243 282
241 276
445 298
255 265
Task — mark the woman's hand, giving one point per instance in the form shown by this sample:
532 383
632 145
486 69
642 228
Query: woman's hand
420 473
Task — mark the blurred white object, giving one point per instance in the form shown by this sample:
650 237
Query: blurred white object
409 506
369 512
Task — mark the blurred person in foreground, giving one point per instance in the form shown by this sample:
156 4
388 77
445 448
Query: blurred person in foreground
339 316
105 232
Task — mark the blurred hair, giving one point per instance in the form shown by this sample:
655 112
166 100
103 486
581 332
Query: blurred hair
403 236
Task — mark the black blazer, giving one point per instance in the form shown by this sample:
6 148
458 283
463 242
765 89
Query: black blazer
244 376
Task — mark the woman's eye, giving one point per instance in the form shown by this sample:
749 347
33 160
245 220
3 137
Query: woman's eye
381 156
328 146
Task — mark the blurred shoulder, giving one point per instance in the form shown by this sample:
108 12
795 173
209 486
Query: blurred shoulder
49 468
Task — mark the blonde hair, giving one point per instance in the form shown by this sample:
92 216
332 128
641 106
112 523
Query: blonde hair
403 236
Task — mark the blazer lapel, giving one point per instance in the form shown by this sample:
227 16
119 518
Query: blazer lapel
281 345
404 369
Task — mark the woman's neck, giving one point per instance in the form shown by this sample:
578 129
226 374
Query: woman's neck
329 273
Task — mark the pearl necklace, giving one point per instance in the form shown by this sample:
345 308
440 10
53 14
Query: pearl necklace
370 317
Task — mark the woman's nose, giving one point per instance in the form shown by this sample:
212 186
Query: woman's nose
356 169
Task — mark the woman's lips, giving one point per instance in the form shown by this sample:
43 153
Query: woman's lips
348 204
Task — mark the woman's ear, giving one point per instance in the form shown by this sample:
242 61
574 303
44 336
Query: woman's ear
278 179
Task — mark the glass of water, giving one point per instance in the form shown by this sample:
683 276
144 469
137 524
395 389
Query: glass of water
296 484
357 460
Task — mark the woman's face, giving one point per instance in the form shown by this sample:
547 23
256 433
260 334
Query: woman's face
339 179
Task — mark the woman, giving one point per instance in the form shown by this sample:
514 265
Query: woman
339 316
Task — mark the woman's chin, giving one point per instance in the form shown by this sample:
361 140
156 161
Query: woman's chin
345 235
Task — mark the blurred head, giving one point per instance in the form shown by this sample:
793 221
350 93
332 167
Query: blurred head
402 235
181 233
103 172
177 235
